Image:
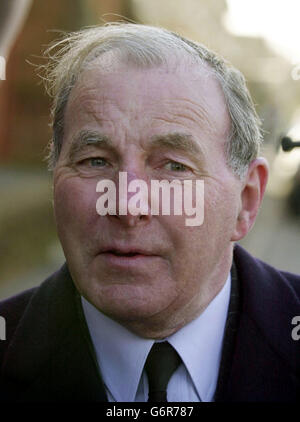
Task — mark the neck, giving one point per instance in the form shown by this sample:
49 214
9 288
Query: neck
169 321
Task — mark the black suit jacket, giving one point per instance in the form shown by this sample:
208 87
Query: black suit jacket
48 354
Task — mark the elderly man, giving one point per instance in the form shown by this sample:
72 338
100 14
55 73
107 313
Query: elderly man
147 307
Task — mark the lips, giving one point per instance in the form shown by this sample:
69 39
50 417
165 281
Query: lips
127 257
127 252
118 253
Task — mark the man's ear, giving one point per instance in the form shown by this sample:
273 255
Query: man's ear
252 194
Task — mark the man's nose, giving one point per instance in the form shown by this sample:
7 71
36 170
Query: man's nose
132 199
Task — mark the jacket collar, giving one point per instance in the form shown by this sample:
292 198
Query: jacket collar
265 359
50 362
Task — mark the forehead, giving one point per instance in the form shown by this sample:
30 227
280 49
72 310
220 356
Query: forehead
186 94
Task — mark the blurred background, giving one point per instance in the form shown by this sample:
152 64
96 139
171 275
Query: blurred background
259 37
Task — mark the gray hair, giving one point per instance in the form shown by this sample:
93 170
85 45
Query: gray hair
147 46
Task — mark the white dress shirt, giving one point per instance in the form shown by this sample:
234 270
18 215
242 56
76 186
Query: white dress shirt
122 354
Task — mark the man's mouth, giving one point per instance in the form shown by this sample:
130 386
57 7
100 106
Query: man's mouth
118 253
127 256
127 251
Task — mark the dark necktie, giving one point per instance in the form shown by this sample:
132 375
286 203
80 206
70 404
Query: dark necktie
161 362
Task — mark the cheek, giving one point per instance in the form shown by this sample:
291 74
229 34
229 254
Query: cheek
75 205
186 242
221 209
201 241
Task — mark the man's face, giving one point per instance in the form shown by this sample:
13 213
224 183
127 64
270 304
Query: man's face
175 269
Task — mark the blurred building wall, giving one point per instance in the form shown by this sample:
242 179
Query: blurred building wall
24 106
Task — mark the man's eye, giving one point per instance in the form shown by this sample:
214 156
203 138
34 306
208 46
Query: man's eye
97 162
175 166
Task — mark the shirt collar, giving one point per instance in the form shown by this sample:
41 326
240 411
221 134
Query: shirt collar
199 343
121 354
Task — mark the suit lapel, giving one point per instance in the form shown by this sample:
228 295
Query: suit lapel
262 363
231 327
258 374
50 357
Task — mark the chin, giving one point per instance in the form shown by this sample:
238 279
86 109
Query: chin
127 303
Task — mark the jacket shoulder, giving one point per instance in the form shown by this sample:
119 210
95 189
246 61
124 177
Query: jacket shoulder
251 267
293 280
12 309
15 307
271 300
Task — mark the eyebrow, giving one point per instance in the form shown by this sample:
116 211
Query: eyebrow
178 141
85 138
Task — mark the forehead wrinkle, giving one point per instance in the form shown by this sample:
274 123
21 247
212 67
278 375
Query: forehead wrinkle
192 111
87 137
201 115
197 113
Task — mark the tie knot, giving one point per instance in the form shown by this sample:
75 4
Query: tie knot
161 362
